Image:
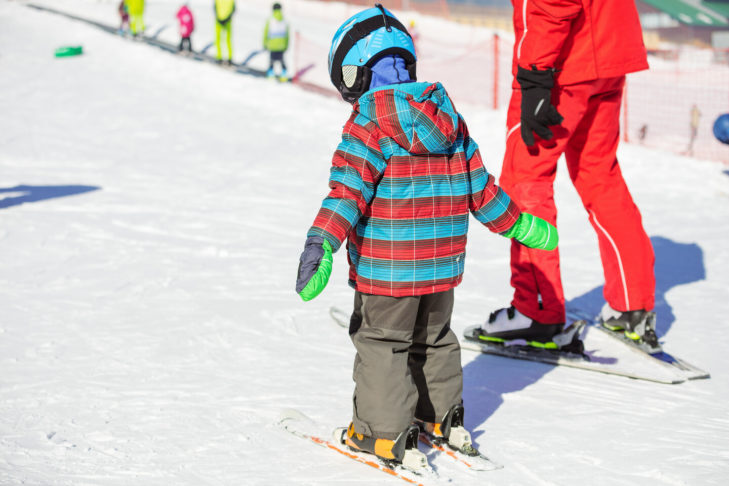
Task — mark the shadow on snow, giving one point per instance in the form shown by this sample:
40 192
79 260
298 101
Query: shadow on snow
487 378
26 194
676 264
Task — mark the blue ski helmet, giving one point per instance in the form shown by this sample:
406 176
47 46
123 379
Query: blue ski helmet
721 128
360 42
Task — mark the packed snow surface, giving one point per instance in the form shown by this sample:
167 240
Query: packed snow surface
152 212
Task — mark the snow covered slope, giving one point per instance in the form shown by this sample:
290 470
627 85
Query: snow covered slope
152 212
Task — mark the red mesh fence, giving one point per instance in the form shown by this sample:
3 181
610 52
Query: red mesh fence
672 106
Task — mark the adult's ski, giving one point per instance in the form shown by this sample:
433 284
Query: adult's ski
684 368
602 354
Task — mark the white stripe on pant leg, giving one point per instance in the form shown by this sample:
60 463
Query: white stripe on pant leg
620 262
526 28
512 130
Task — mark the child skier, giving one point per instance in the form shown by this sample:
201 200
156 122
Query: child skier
276 40
123 17
224 10
136 16
403 180
187 25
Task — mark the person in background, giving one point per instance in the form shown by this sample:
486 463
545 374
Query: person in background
569 70
224 10
694 125
276 41
123 17
187 25
404 179
136 16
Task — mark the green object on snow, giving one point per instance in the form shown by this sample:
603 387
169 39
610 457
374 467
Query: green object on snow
68 51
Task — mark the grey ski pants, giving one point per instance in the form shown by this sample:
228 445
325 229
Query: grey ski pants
408 362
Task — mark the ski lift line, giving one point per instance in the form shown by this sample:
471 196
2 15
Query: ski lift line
240 68
101 26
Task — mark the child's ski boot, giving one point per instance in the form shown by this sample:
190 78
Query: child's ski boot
638 327
451 431
451 434
401 451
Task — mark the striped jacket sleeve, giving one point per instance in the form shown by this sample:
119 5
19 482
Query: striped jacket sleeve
357 167
489 204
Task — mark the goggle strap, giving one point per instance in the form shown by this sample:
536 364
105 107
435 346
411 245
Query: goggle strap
359 31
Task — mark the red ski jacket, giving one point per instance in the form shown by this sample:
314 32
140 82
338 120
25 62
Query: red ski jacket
582 39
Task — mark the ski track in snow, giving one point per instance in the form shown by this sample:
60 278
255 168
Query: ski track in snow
153 210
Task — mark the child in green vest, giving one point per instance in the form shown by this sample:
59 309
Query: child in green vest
276 40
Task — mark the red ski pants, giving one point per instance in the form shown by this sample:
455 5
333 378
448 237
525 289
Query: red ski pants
588 137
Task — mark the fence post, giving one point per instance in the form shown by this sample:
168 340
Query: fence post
445 11
496 71
297 37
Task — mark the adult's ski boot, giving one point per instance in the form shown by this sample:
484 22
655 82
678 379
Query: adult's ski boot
509 324
510 327
637 326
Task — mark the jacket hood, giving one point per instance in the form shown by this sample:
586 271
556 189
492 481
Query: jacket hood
420 117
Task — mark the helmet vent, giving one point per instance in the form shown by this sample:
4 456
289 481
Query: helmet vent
349 75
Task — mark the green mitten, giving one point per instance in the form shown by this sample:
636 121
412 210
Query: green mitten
534 232
315 267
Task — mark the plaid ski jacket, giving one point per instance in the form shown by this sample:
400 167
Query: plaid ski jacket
403 181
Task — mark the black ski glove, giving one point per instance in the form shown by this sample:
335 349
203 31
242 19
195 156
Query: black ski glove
537 111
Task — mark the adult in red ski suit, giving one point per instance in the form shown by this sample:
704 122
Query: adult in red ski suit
584 48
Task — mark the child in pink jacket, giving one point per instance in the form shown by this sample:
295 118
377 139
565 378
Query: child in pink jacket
187 25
